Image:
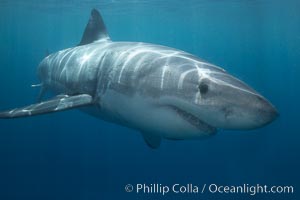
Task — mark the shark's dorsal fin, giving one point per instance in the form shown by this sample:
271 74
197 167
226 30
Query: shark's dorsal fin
95 29
59 103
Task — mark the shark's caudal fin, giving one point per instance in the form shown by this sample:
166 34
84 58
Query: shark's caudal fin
59 103
95 29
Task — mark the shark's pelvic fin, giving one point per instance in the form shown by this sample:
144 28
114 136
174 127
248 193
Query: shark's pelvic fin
41 93
94 30
59 103
42 90
153 141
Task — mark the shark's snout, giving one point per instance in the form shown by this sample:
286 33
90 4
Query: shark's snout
266 112
228 103
246 109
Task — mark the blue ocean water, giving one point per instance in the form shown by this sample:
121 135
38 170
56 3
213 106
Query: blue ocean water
70 155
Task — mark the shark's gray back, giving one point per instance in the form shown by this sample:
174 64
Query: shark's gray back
126 67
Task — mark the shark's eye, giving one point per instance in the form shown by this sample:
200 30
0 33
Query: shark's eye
203 87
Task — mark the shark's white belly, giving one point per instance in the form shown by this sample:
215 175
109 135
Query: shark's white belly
146 115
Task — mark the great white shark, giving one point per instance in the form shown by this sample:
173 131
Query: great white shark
160 91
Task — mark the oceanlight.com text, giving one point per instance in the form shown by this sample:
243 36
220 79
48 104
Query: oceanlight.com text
189 188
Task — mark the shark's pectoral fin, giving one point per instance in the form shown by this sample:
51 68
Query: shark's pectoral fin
153 141
59 103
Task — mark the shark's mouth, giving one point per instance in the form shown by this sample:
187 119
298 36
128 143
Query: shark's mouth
194 121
